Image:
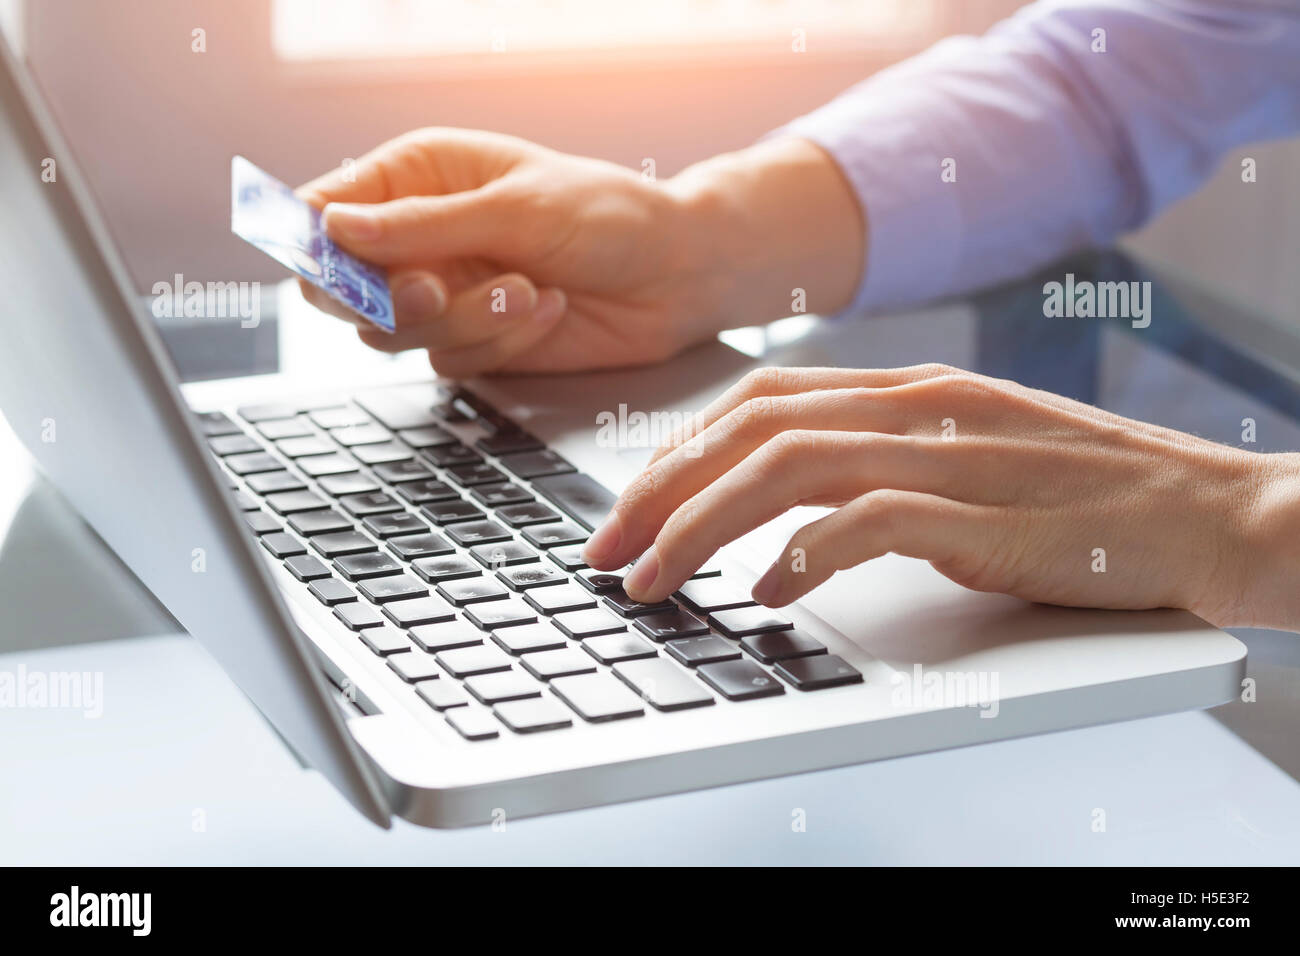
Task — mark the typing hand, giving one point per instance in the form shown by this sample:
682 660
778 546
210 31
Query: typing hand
1000 487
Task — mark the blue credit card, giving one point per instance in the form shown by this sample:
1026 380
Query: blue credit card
266 213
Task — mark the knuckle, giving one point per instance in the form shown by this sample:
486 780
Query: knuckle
763 381
782 450
751 415
644 487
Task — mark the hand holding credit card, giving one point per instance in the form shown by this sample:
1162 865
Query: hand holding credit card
266 213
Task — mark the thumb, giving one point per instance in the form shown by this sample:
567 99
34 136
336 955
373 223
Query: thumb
420 228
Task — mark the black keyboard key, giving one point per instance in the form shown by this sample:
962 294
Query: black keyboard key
578 495
505 493
446 568
558 599
707 595
472 590
417 611
384 640
354 483
597 697
473 724
580 624
536 464
415 667
421 492
391 525
612 648
668 625
282 545
430 436
740 680
399 471
212 424
600 582
252 463
443 695
467 533
468 661
261 522
531 716
319 522
490 615
290 502
306 567
744 621
663 684
528 639
446 636
358 616
506 685
271 481
782 646
382 454
320 465
568 557
479 473
370 564
546 665
399 587
303 446
450 512
508 441
331 591
344 542
412 546
706 649
817 673
520 516
239 444
502 554
554 535
449 455
527 576
353 436
620 603
370 503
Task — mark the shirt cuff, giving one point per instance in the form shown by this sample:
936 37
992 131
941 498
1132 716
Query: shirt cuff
913 217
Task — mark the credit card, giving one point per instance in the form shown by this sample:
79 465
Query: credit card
266 213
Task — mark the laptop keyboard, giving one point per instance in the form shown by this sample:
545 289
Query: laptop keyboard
446 538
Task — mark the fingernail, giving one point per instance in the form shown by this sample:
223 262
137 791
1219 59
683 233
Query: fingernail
351 221
514 297
765 588
604 541
643 573
550 305
419 298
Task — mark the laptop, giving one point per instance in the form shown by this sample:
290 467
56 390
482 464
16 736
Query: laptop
392 575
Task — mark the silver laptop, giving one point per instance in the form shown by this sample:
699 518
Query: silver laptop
393 576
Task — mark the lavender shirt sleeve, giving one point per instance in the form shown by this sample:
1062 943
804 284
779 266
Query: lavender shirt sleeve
1054 145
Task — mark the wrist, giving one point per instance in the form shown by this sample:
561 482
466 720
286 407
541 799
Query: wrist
766 232
1270 592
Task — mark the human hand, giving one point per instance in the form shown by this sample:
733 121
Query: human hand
1030 494
505 256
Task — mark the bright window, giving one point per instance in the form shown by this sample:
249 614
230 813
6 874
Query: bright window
371 29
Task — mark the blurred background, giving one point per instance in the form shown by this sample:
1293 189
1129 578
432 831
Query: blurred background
300 85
